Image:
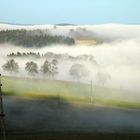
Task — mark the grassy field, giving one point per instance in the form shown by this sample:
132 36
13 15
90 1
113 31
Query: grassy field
77 94
68 91
88 42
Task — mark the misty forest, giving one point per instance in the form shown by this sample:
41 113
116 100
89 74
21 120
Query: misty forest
71 77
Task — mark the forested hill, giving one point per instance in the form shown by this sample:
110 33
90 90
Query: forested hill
33 38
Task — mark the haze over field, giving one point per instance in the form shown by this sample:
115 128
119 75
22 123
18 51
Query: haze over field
117 52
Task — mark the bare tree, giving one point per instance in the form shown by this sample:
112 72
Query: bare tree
11 66
31 68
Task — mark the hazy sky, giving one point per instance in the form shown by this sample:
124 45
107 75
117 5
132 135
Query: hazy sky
70 11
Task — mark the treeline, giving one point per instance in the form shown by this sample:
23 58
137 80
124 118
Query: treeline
28 54
32 39
51 55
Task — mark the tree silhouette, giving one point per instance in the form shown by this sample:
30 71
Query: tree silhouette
102 77
53 67
78 71
31 68
11 66
50 68
45 68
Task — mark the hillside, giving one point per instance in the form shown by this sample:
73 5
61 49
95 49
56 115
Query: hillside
68 91
35 38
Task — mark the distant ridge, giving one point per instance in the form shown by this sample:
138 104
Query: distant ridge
8 23
65 24
59 24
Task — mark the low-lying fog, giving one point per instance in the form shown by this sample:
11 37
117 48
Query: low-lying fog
116 58
119 60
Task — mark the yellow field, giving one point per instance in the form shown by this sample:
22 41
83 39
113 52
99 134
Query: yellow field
88 42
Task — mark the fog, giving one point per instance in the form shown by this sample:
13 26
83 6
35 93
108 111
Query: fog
120 60
104 32
119 57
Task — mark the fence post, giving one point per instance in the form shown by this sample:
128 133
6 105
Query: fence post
2 115
91 91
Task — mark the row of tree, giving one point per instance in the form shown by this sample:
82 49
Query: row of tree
77 71
48 68
51 55
29 39
28 54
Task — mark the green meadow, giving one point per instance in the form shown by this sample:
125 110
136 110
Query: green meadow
68 91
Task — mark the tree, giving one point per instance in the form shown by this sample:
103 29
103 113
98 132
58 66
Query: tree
50 68
11 66
19 54
102 77
45 68
53 67
78 71
31 68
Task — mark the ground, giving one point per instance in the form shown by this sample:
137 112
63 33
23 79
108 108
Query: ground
36 110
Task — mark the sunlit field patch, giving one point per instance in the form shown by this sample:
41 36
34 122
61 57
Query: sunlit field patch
67 91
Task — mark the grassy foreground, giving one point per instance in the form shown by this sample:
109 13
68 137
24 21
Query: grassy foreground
67 91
